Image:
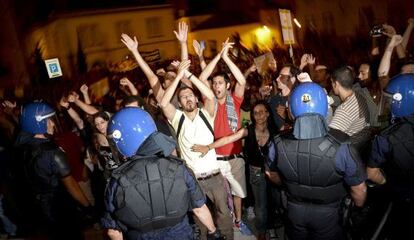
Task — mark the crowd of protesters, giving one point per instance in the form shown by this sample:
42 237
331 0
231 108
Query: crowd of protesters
208 107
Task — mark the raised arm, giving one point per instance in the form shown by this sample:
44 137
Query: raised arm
238 75
220 142
205 74
84 90
126 83
182 39
89 109
166 106
390 32
250 70
72 113
385 63
208 95
182 35
407 33
132 45
199 49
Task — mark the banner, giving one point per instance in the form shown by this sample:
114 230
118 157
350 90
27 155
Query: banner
287 28
262 62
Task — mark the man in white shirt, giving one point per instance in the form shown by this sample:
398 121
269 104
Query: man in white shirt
193 125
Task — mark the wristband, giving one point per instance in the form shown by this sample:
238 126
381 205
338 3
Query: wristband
189 77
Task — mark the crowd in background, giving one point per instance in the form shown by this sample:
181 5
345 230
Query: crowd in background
356 109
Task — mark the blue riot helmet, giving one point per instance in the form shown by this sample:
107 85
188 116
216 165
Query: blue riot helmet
308 97
34 117
400 89
129 128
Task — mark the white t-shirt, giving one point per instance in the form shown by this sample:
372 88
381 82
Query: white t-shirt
196 132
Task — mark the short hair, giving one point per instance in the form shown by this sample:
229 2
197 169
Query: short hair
185 87
345 76
132 98
224 75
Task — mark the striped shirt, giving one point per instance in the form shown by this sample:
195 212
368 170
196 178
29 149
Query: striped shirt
351 116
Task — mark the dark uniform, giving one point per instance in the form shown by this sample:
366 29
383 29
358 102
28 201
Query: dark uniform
45 167
149 195
392 151
314 166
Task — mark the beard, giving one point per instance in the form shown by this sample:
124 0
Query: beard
189 106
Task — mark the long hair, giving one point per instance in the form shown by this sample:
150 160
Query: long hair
270 123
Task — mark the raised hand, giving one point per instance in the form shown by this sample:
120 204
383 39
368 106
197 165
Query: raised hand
411 21
131 44
84 89
198 48
252 68
304 60
311 59
396 40
64 102
73 96
9 104
124 81
226 46
389 30
182 32
184 65
175 64
304 77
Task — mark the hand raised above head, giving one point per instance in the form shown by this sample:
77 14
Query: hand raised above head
226 46
131 44
198 48
124 81
182 33
396 40
64 102
84 88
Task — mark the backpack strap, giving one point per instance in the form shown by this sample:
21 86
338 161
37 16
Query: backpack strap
206 122
203 117
180 125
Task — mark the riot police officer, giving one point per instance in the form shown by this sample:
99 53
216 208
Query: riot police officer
48 173
149 195
392 151
313 167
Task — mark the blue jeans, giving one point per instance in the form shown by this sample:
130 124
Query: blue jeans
9 226
258 184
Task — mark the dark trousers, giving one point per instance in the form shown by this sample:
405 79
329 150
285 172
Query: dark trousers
311 221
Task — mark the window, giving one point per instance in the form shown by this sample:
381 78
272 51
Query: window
154 28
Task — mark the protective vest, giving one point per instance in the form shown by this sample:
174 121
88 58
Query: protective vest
42 163
400 165
308 168
151 194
